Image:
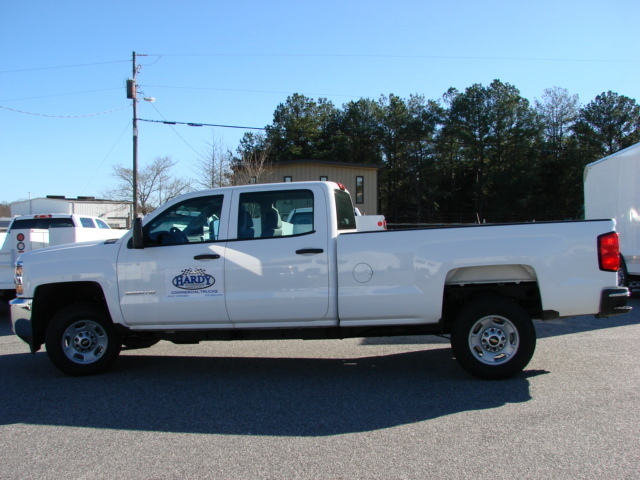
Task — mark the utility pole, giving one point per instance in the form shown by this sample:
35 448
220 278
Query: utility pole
135 138
132 93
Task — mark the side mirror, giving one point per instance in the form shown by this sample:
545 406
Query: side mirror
138 240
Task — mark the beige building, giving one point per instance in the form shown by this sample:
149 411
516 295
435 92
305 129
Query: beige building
360 179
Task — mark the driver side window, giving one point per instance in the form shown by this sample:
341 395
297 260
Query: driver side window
196 220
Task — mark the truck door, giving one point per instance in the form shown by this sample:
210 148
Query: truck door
277 269
178 278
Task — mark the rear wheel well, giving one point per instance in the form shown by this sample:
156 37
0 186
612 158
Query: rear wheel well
456 297
50 299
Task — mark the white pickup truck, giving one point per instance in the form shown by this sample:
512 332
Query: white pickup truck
30 232
222 264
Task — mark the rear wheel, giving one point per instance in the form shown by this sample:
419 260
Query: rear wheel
493 338
81 340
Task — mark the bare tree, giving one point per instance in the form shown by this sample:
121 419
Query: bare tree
559 111
253 167
156 184
5 209
213 167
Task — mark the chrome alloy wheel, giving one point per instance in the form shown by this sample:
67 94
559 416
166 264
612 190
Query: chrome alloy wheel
84 342
493 339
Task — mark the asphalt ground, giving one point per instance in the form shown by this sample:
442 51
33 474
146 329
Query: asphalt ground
398 408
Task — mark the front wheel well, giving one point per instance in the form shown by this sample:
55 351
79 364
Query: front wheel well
456 297
50 299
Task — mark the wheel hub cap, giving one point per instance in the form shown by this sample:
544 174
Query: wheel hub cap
84 342
493 339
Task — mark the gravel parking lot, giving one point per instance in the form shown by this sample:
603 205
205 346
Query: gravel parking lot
398 408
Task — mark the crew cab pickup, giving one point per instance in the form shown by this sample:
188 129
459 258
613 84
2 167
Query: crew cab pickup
30 232
223 264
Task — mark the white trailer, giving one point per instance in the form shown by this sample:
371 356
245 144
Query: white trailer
612 190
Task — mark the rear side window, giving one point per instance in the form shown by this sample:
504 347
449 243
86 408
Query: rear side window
281 213
41 223
344 211
87 222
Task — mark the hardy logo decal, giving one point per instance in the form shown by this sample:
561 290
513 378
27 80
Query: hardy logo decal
191 284
193 279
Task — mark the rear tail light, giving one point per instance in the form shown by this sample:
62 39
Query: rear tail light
609 252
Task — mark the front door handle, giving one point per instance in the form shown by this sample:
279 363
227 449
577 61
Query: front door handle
207 256
306 251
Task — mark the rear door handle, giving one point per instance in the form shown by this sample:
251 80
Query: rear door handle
306 251
207 256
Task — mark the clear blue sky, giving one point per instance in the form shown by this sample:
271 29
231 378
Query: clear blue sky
233 62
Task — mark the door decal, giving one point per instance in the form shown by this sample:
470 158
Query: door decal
192 283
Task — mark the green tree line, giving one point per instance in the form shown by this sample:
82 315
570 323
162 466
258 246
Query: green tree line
482 154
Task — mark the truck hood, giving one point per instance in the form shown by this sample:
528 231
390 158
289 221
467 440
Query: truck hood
75 262
80 248
70 246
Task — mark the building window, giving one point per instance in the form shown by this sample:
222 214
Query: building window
287 178
359 189
324 178
253 181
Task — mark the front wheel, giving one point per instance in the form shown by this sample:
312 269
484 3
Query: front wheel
493 338
81 340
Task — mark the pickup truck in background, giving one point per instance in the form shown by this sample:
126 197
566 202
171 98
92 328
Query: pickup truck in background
30 232
235 264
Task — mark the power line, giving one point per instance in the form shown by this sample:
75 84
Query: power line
193 124
105 158
174 130
62 66
251 91
430 141
64 116
398 56
334 55
61 94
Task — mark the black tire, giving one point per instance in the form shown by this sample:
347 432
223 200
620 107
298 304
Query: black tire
135 343
6 295
623 276
81 340
493 338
